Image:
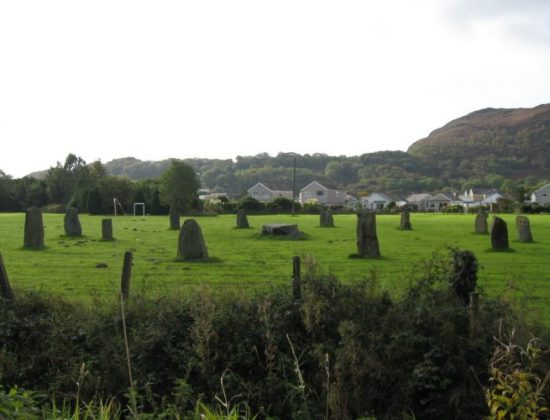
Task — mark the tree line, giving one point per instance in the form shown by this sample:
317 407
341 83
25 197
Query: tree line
89 188
92 187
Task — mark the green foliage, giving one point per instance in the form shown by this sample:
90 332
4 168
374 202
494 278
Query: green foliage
250 205
179 186
463 273
457 209
282 205
19 404
346 350
517 379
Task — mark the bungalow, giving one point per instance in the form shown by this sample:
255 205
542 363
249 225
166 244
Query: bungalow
264 194
317 192
541 196
377 201
428 202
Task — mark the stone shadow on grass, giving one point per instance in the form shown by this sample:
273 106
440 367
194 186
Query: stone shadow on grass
356 256
208 260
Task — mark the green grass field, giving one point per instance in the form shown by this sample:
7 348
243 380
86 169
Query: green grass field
243 259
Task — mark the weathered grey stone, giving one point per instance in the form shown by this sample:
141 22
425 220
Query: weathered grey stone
191 244
279 229
242 220
34 229
481 222
72 222
367 240
326 219
174 219
524 229
107 230
499 235
405 220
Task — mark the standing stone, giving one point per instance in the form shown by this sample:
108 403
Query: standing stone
367 241
107 230
5 288
524 229
405 220
174 219
481 222
499 235
191 244
72 222
242 220
34 229
326 219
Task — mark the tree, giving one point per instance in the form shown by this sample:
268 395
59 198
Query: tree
179 186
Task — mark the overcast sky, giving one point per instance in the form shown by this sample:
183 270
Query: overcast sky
217 79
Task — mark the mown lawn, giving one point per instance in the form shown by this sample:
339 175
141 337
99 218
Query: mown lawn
243 259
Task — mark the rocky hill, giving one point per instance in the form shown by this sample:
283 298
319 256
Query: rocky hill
513 143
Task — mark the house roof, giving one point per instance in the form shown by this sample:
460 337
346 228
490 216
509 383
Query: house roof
384 196
317 183
441 196
546 188
259 184
417 198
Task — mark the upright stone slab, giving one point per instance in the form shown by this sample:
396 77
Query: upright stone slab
242 220
481 222
524 229
326 219
191 244
405 220
367 240
174 219
107 230
499 235
34 229
72 222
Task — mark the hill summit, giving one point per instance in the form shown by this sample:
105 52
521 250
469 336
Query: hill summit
513 143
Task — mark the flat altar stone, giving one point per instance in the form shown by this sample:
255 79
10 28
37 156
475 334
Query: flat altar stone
279 229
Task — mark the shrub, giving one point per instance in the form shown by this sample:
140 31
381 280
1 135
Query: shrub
250 205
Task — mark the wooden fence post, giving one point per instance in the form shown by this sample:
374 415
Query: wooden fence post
474 314
5 288
126 275
296 280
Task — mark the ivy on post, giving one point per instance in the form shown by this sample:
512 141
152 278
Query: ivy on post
296 279
126 275
5 288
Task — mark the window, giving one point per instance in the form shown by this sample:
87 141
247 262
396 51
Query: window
319 193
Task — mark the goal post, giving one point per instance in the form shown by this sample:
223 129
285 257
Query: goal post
136 205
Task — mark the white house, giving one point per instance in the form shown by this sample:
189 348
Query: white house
323 195
264 194
377 201
428 202
541 196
